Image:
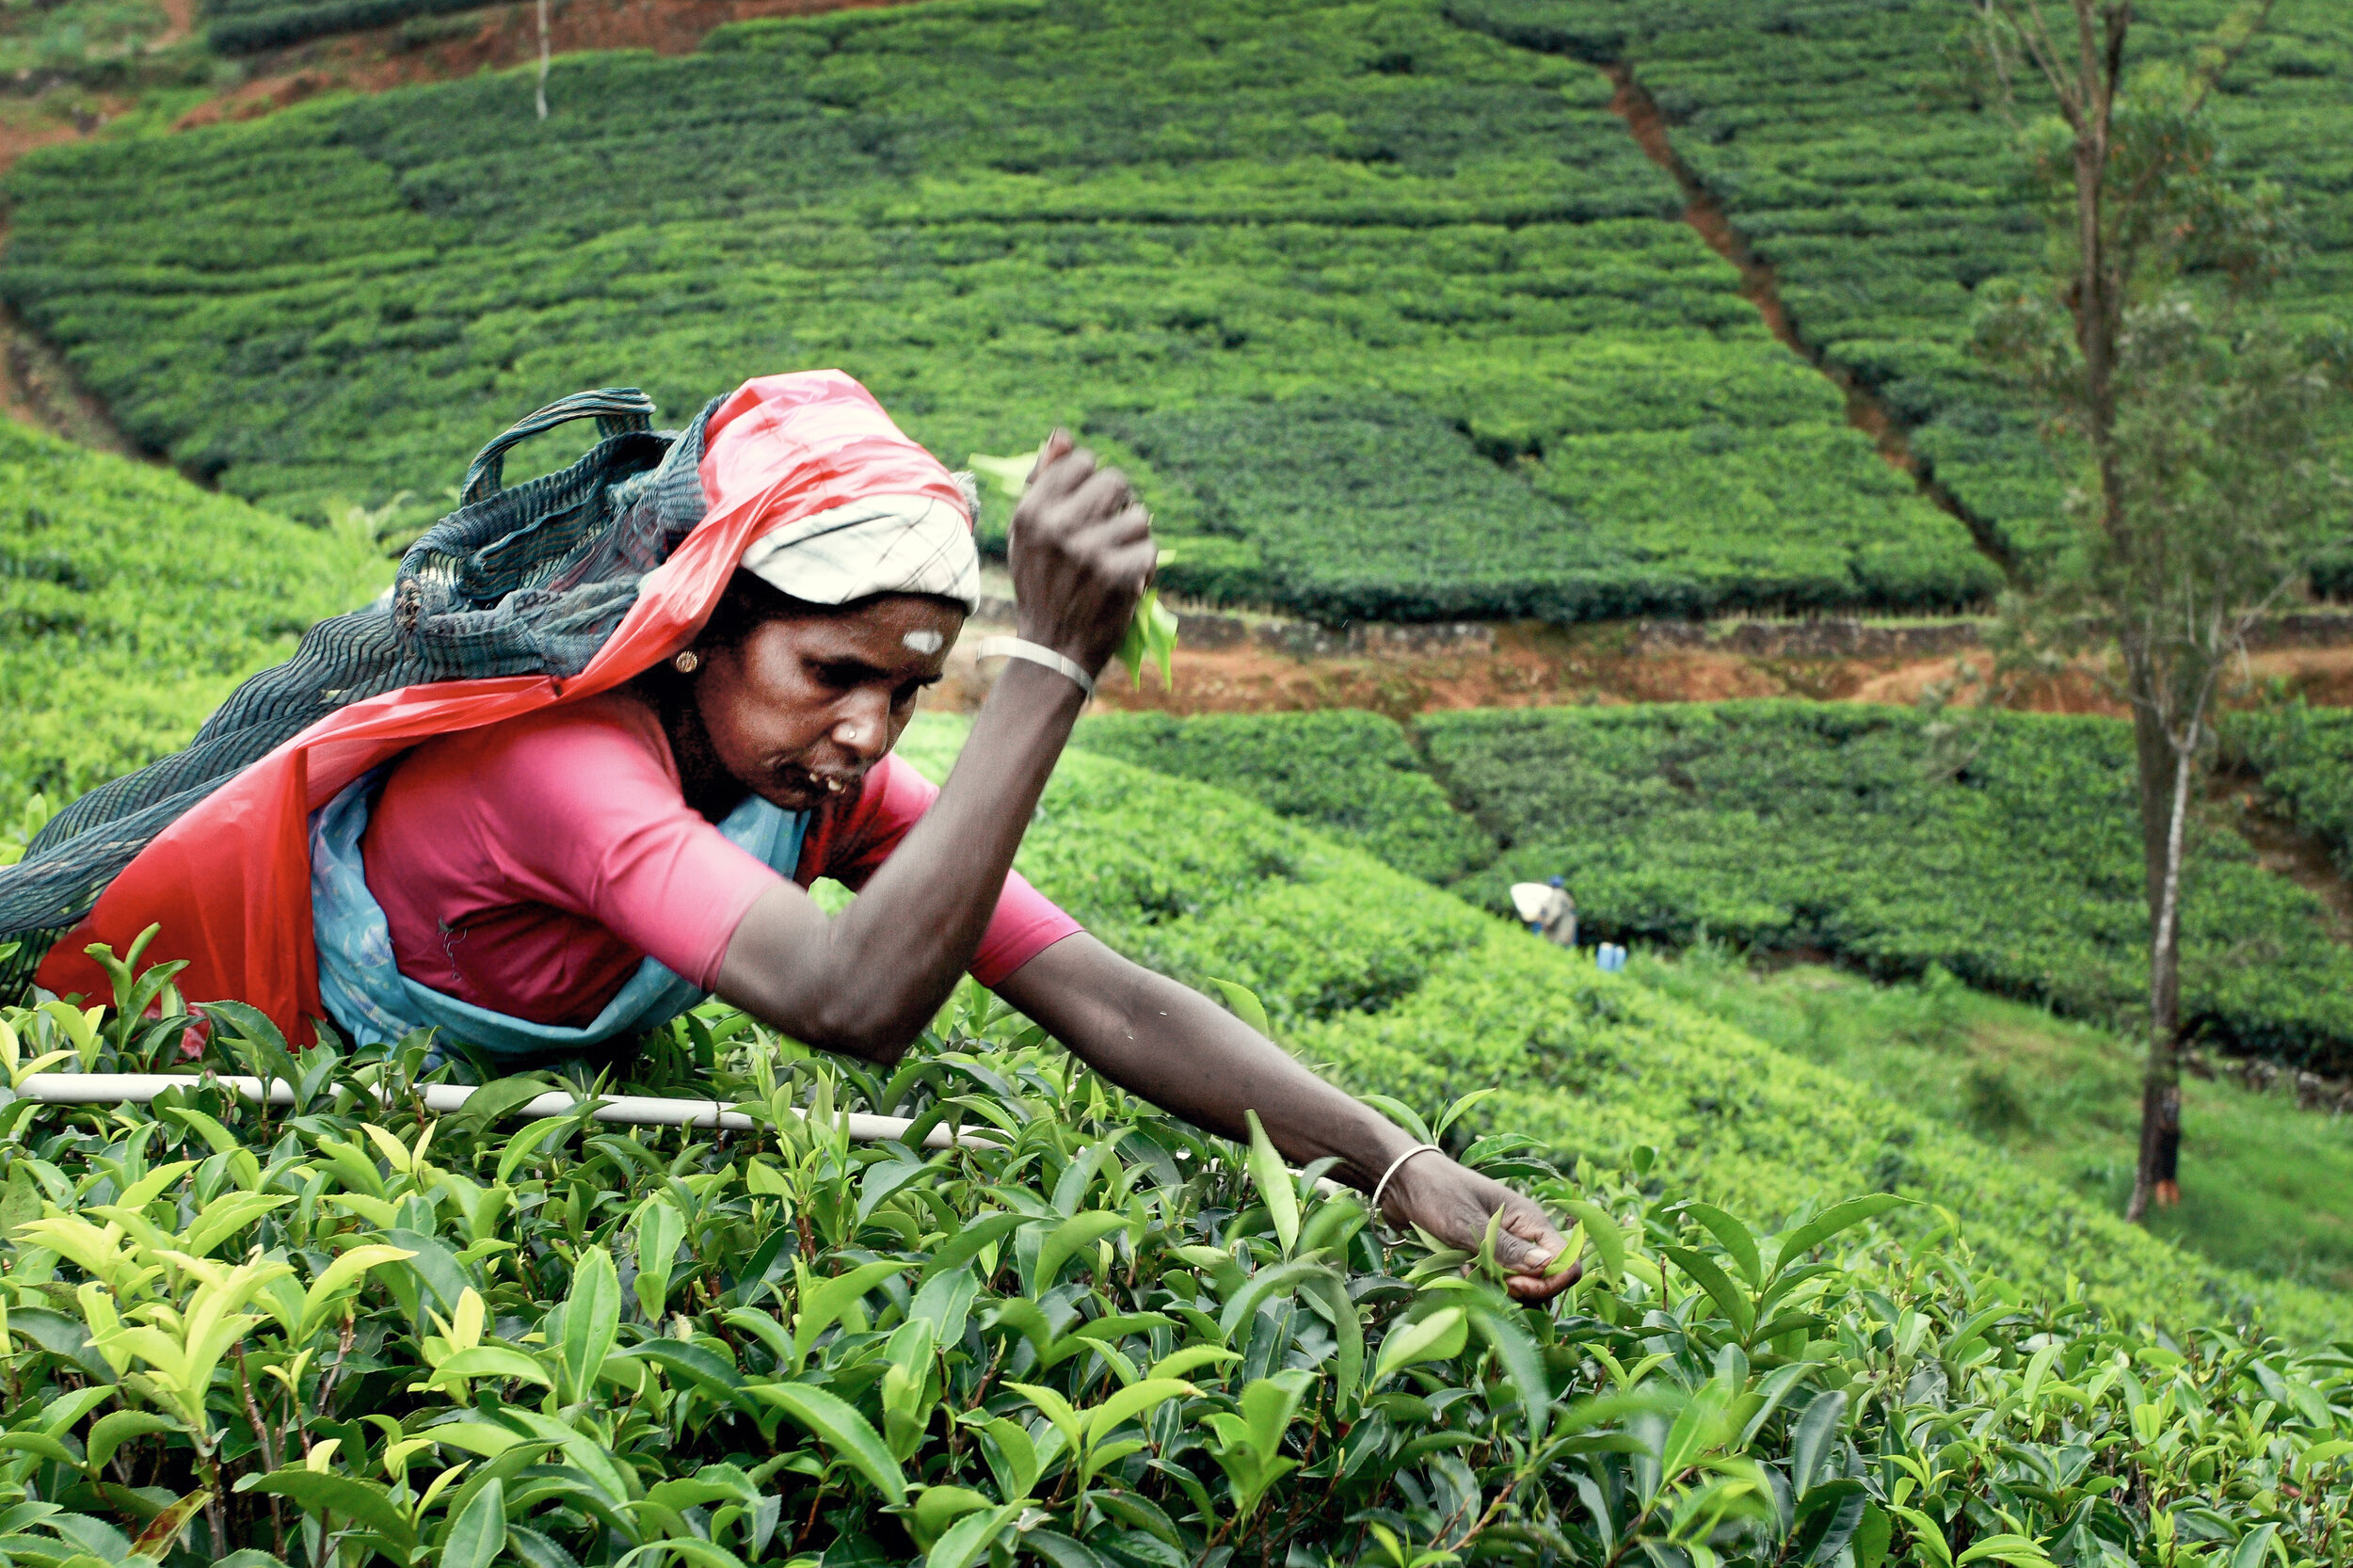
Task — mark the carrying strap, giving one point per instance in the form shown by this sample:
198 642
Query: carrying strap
618 411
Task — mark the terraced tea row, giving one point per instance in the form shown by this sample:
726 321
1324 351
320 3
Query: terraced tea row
1350 252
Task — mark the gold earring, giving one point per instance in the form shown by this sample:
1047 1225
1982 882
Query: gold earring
687 662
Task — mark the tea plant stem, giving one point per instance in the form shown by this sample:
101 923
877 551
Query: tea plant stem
809 1524
326 1385
215 1512
270 1448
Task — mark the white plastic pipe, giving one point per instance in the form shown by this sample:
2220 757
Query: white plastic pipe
633 1110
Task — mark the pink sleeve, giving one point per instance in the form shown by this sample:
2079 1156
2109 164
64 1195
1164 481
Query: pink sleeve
1027 923
592 821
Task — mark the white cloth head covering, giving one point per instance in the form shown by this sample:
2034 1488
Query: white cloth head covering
858 508
877 544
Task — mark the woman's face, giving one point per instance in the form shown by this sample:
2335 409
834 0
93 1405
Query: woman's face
804 705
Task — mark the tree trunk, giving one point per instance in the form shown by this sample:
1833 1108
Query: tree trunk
543 59
2164 794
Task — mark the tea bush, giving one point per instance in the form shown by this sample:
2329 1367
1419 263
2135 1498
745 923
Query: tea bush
1354 289
1788 825
131 602
1843 143
1342 771
2304 756
1843 829
249 27
346 1329
1402 988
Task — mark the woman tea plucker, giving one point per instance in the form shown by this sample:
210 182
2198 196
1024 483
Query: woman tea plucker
592 862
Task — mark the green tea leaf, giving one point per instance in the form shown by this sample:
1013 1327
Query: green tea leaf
364 1502
592 1318
840 1427
1064 1242
1245 1006
1273 1179
1833 1221
477 1536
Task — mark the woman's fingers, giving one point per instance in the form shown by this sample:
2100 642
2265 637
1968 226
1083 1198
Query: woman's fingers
1054 472
1456 1205
1534 1246
1082 553
1103 494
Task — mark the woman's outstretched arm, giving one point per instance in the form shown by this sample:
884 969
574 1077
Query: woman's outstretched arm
1188 1056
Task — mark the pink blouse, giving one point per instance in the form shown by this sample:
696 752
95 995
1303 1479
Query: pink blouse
529 867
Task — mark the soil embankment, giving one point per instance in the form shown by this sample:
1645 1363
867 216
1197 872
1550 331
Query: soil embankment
492 38
1260 664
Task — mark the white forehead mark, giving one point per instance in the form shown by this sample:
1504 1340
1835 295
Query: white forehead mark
923 642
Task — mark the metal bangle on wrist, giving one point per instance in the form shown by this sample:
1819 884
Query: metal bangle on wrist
1036 653
1396 1165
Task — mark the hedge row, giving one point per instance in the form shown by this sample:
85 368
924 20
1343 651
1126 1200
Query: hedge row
2304 757
131 602
2013 863
1841 140
250 26
1350 286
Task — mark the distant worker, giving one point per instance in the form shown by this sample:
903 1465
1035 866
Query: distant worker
582 769
1548 909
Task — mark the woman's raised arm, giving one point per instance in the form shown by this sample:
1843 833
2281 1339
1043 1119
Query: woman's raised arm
866 984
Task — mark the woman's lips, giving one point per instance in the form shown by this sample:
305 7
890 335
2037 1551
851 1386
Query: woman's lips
819 786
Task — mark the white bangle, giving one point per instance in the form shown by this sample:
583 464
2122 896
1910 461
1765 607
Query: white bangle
1036 653
1396 1165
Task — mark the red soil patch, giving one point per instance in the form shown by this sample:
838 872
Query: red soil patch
180 16
1527 667
500 36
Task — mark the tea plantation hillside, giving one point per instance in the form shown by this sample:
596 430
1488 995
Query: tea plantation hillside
1841 142
1095 1340
2010 860
132 601
1391 318
1409 991
2305 758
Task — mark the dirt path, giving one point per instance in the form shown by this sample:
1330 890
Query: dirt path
180 19
1865 409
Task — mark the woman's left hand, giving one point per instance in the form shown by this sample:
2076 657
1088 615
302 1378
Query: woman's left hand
1454 1205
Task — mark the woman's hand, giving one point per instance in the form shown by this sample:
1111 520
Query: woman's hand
1454 1205
1082 552
1186 1054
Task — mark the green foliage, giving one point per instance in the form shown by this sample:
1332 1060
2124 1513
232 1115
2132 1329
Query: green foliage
1846 141
1357 292
132 602
1339 771
90 41
352 1332
2304 756
1383 510
2272 1190
250 26
1851 831
1405 991
1839 829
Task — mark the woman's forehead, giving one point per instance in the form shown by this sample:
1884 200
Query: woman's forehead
890 631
